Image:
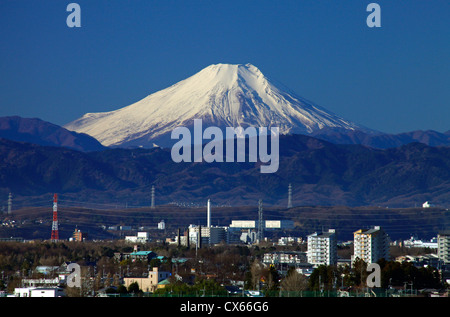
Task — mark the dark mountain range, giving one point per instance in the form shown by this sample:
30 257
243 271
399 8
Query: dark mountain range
383 140
321 173
40 132
37 131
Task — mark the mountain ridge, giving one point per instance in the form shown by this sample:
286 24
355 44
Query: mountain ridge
222 95
320 172
384 140
37 131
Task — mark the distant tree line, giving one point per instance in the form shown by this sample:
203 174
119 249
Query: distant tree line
207 269
393 274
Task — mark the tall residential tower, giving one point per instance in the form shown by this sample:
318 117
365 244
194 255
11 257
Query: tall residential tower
371 245
322 248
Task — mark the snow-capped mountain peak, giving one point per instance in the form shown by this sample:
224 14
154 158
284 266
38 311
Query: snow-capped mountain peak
223 95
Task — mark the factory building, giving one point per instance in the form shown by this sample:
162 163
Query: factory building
239 231
268 224
199 235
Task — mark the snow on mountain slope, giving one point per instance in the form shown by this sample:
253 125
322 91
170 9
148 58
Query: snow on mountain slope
222 95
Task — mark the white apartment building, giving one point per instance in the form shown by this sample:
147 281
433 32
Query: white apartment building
444 247
285 257
370 245
322 248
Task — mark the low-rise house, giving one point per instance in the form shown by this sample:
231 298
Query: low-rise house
45 269
163 284
305 269
420 260
413 242
38 292
285 257
148 283
135 255
41 282
142 255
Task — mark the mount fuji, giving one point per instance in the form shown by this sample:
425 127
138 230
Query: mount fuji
222 95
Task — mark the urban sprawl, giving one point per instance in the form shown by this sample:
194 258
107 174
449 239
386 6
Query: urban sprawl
236 260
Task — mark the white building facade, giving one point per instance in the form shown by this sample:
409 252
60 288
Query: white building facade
142 237
444 247
322 248
38 292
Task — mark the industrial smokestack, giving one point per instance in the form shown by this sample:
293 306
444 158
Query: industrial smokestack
9 203
289 196
153 197
209 214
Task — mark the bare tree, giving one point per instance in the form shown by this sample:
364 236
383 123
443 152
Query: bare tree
256 270
294 281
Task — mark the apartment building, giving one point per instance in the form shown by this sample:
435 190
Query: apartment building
370 245
79 236
322 248
444 247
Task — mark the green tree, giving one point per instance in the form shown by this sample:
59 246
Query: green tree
324 277
121 289
397 274
272 279
359 273
208 285
134 288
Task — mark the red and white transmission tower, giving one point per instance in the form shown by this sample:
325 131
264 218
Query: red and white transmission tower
55 233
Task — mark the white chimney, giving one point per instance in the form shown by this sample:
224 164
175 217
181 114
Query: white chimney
209 214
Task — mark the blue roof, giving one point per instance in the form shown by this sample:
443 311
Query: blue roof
179 260
142 253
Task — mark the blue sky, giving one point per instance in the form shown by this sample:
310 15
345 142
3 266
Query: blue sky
394 79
